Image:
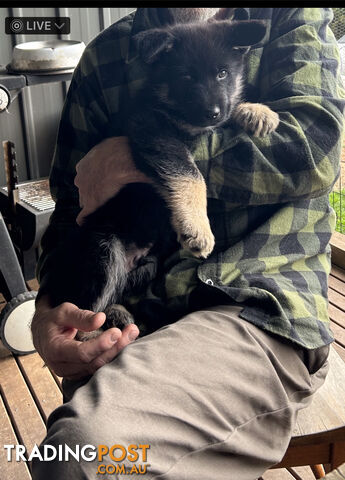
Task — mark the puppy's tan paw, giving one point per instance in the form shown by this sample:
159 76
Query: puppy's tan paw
256 118
195 236
84 336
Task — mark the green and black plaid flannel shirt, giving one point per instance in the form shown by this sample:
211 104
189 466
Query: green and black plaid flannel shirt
267 198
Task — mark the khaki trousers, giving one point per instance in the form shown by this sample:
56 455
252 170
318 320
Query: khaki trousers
212 395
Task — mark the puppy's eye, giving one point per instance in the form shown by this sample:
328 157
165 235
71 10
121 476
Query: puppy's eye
222 74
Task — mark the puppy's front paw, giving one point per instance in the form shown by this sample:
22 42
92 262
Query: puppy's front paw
195 235
84 336
256 118
117 316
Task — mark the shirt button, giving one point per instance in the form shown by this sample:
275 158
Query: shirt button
209 281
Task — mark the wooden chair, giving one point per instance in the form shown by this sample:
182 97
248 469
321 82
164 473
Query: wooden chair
319 436
338 474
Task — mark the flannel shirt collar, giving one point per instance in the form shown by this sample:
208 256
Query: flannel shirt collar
146 18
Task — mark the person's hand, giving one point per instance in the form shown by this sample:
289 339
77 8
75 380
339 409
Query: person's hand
54 331
101 174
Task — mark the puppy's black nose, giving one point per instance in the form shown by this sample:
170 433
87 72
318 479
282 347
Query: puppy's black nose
214 112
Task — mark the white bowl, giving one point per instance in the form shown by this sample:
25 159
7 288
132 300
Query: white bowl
47 55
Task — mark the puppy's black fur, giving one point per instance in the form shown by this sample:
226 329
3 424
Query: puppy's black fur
195 84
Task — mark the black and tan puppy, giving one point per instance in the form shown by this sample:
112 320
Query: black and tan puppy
195 84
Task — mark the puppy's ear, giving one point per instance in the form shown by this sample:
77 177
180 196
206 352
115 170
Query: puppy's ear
244 33
152 43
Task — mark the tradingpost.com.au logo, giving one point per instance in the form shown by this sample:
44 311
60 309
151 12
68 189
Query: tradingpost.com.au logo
130 460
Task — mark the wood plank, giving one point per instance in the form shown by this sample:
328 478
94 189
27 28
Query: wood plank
57 379
338 249
305 473
336 315
337 285
338 273
336 299
283 474
338 454
300 455
278 474
20 405
4 351
42 384
340 350
326 437
339 334
327 409
338 474
10 470
33 284
318 417
333 390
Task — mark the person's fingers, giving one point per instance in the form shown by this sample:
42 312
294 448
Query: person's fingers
77 169
81 169
76 180
81 217
90 205
74 359
86 208
129 334
95 347
74 351
70 316
92 354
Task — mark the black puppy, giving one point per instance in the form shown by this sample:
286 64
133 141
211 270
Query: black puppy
195 84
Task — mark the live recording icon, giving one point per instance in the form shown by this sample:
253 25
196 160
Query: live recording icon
37 25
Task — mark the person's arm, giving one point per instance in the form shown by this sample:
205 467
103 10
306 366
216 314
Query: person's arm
298 78
84 123
81 127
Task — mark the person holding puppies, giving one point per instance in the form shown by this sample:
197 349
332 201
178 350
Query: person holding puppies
215 392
